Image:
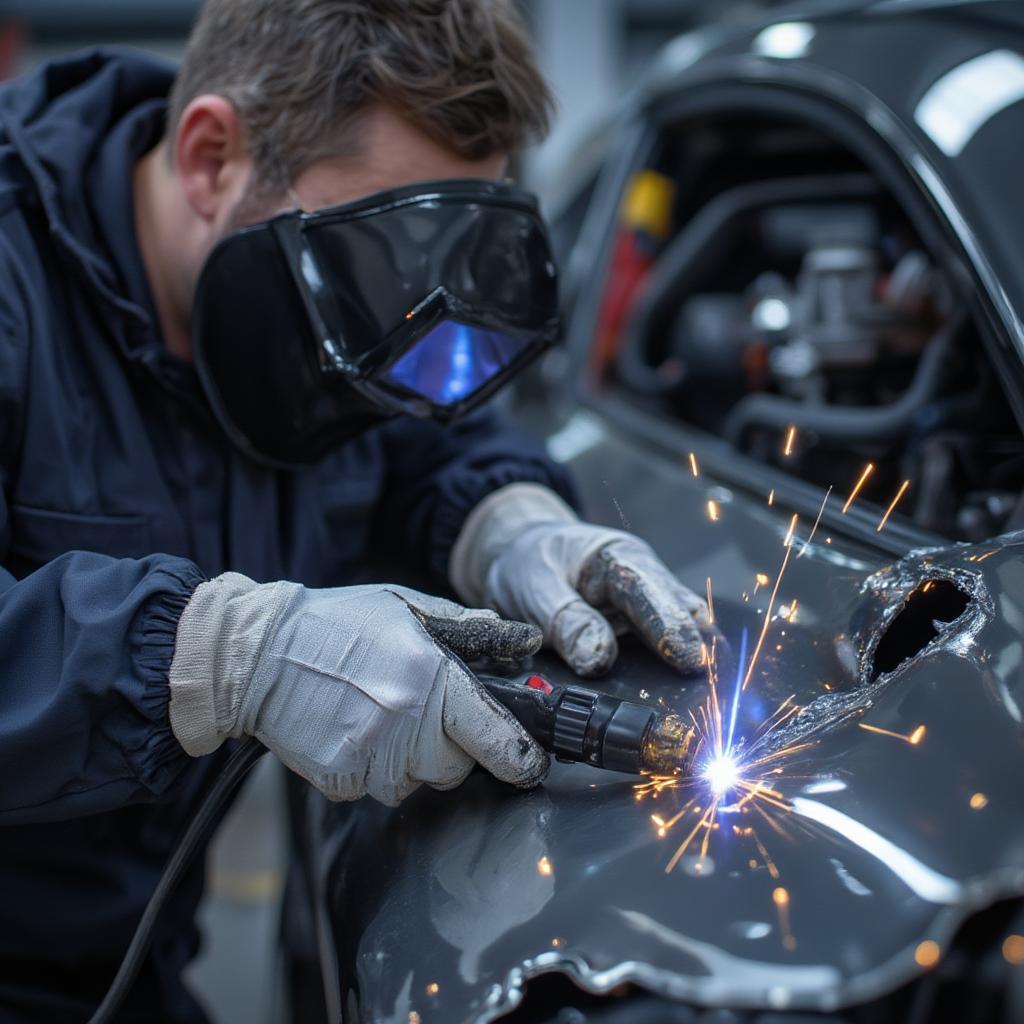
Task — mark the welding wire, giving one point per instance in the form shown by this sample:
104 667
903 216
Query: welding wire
814 529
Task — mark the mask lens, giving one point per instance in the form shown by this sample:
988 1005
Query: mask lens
453 360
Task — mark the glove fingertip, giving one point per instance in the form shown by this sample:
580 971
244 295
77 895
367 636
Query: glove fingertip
590 647
682 649
537 775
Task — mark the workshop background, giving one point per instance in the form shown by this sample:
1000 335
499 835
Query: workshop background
592 51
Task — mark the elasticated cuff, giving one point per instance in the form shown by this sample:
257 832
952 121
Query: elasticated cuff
160 757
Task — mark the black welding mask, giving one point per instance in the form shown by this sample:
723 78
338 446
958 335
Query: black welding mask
311 327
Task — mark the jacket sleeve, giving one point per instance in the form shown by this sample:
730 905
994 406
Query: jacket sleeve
87 642
436 475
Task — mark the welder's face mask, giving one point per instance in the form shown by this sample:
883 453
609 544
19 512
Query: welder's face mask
425 300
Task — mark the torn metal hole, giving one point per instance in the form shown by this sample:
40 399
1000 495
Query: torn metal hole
933 602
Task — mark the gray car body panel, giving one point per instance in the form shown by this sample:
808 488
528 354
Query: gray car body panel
881 851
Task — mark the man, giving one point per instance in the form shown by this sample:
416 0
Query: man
211 342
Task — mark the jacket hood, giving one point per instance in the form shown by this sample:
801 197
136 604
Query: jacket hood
54 122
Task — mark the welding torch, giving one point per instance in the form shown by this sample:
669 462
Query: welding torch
578 724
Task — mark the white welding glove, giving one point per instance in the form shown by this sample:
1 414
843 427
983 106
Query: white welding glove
523 551
360 690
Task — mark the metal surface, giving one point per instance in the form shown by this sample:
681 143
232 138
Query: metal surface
903 817
880 850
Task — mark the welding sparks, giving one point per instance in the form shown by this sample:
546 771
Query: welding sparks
712 511
771 601
790 438
711 604
895 501
780 897
789 533
913 738
693 465
730 772
868 470
544 867
771 497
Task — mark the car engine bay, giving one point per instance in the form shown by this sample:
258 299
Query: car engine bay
793 290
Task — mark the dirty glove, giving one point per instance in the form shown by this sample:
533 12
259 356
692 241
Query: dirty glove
523 551
358 689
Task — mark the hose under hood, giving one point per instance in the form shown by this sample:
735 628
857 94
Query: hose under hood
851 423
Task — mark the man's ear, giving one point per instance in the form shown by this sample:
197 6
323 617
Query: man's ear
210 156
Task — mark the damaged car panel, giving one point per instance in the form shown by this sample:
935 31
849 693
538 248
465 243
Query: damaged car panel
903 816
851 846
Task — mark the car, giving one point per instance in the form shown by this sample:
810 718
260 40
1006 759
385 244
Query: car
794 287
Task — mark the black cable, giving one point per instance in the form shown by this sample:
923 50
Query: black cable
247 754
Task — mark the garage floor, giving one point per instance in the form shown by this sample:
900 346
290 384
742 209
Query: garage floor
236 976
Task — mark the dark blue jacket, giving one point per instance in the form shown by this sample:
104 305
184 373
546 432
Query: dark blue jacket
118 496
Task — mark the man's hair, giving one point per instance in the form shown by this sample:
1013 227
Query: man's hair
301 72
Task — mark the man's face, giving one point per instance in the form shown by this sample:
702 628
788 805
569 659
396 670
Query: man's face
393 153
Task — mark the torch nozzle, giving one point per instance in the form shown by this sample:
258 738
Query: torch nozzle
578 724
669 746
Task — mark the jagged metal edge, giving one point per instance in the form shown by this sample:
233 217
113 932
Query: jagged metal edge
906 577
899 970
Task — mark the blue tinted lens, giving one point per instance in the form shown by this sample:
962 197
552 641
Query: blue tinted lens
454 360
